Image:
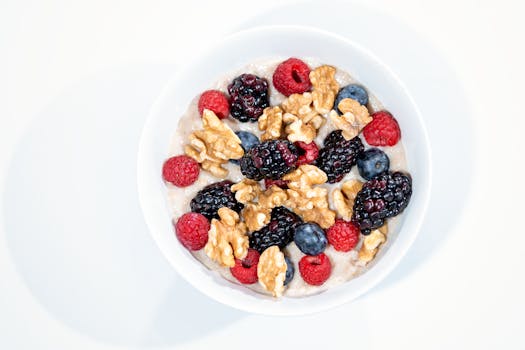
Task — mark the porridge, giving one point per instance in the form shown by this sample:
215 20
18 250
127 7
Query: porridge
286 177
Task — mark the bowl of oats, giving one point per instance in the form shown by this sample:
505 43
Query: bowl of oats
285 171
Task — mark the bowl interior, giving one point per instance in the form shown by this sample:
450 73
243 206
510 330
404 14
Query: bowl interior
237 51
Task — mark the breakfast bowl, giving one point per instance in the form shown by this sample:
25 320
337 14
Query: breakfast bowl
264 44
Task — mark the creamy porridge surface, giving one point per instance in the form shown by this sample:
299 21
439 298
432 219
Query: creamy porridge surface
345 265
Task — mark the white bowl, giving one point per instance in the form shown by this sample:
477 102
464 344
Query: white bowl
232 53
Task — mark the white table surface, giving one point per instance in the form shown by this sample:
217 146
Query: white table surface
78 269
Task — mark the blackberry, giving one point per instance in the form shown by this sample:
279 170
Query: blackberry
338 155
279 231
213 197
384 196
269 160
248 97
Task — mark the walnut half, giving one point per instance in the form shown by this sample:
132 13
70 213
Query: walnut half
371 244
271 270
343 198
354 118
214 145
307 201
227 238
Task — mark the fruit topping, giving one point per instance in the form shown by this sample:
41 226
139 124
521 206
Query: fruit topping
213 197
181 171
248 97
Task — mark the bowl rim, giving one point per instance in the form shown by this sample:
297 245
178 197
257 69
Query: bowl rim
207 286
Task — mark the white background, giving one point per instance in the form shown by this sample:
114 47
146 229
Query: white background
78 269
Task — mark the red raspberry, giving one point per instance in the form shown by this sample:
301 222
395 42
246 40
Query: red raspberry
343 235
383 130
292 77
245 270
181 171
308 152
192 230
280 183
315 269
215 101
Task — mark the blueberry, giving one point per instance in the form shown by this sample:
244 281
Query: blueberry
372 162
248 140
353 91
310 238
289 270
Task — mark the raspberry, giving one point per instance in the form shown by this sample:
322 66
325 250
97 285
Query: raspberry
192 230
181 171
343 235
383 130
245 270
315 269
308 152
384 196
215 101
292 77
279 183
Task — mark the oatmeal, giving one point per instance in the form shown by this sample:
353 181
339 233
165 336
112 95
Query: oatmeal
299 165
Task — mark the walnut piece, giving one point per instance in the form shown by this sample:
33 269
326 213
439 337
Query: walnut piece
354 118
271 122
325 88
258 204
227 238
371 244
271 270
301 119
256 216
305 176
246 190
297 130
214 145
307 201
344 197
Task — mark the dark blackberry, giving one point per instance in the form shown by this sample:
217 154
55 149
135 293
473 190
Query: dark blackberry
338 155
269 160
279 231
248 97
213 197
384 196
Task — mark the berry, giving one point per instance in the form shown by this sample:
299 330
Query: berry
384 196
310 238
245 270
213 197
279 231
290 270
279 183
249 97
270 159
292 77
308 152
316 269
248 141
343 235
353 91
181 171
372 162
338 155
215 101
192 230
383 130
